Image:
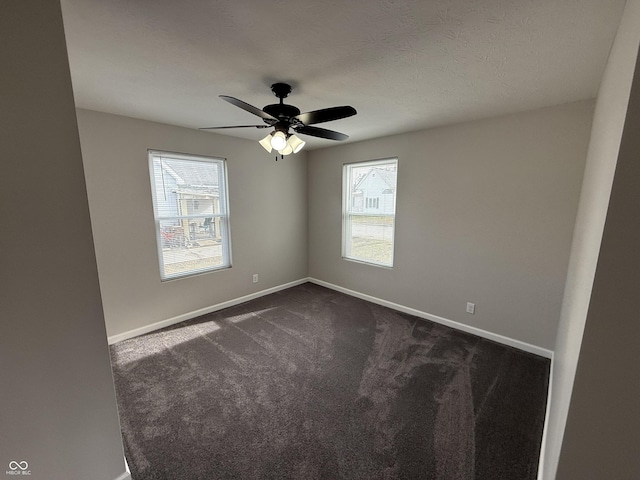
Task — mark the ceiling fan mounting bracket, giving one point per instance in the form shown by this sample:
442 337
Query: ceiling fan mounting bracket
281 90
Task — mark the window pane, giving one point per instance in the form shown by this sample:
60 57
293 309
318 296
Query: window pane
190 205
369 203
372 239
190 245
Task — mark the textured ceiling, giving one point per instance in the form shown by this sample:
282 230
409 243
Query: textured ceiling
404 65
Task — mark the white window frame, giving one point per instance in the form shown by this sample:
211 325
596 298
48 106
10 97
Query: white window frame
223 216
348 211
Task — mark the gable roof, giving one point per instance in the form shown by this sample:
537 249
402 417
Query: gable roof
388 177
189 175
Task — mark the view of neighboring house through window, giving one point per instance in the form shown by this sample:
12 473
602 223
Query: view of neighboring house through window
369 208
191 213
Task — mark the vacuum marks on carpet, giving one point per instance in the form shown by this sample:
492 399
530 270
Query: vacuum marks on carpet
309 383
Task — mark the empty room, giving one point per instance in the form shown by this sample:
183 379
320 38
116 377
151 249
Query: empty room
319 240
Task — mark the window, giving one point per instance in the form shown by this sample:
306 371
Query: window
373 203
369 209
191 212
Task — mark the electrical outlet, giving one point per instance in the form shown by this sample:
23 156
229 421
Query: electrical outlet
255 278
471 308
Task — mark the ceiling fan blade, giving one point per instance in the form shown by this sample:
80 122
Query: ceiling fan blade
321 132
234 126
249 108
326 115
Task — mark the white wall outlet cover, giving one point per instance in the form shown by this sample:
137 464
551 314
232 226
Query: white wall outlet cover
471 307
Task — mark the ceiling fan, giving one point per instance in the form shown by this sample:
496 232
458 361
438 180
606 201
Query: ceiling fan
283 117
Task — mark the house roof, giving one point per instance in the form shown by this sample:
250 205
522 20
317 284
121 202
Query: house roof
403 64
387 176
190 175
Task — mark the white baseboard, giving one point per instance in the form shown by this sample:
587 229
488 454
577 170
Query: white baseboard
527 347
196 313
123 476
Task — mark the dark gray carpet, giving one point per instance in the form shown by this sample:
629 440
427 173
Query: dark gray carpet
309 383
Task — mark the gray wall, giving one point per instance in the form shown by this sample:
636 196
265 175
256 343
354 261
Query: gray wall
603 429
608 122
602 434
56 390
485 213
268 207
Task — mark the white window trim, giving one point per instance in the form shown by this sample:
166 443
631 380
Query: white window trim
346 204
224 206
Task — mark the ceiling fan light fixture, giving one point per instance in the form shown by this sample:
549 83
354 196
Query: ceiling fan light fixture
282 117
296 143
278 141
266 143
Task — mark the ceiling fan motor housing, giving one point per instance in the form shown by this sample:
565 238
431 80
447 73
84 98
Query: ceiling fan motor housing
282 111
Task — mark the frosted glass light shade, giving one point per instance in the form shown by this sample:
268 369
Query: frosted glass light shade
296 143
278 141
286 150
266 143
